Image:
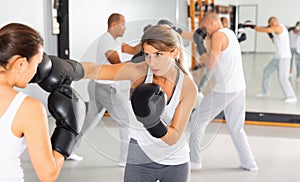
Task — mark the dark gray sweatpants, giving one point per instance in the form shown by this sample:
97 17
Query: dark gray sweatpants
140 168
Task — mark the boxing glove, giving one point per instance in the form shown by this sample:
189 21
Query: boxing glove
170 24
199 36
148 103
43 70
242 37
146 27
54 71
68 109
291 28
139 57
249 24
270 35
240 28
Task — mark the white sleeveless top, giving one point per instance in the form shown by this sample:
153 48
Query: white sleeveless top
157 150
11 147
229 68
282 44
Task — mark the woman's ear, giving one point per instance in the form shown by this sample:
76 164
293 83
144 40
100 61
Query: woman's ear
175 54
20 64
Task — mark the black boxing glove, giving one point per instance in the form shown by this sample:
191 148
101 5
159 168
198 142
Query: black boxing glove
146 27
170 24
271 36
139 57
242 37
249 24
199 36
291 28
54 71
68 109
148 103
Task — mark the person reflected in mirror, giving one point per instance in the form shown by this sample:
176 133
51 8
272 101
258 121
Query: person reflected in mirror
294 33
281 60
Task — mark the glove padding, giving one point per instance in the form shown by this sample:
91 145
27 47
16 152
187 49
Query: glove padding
199 36
148 103
54 71
68 108
170 24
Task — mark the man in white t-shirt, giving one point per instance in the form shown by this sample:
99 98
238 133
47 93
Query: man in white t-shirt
112 96
281 60
223 55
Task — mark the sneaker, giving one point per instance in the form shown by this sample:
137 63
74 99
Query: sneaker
75 157
196 166
261 95
291 100
253 169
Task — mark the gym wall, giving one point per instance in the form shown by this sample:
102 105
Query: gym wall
37 14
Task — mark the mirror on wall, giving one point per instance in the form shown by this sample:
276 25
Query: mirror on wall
257 52
257 49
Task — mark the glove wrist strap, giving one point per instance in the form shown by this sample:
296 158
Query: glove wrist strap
63 141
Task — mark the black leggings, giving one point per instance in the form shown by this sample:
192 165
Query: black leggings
140 168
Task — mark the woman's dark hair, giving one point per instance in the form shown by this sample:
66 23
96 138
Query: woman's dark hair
18 39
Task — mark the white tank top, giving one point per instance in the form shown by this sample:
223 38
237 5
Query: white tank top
157 150
229 68
11 147
282 44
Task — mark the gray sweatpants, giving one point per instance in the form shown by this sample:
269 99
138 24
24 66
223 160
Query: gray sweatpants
283 67
297 61
233 105
140 168
115 99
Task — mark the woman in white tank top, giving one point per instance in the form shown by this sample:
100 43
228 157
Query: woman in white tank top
165 158
22 117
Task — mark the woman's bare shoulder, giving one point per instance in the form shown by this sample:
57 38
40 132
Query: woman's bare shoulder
189 87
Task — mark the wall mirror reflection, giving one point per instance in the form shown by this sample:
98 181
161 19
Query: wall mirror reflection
257 49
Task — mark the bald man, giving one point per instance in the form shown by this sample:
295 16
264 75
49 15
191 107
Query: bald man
228 94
